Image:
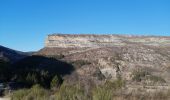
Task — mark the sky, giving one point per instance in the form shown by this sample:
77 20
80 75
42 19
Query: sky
24 24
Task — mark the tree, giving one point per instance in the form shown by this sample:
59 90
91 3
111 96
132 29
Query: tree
32 78
55 81
4 71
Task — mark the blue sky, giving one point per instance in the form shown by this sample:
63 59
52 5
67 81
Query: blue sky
24 24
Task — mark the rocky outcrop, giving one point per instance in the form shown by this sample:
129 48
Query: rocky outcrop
91 40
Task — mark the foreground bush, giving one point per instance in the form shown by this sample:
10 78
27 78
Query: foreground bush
109 91
20 94
102 93
35 93
68 92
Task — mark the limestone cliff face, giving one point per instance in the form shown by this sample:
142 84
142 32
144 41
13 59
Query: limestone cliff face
59 40
91 40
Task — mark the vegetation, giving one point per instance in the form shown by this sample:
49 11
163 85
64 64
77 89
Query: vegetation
68 92
139 75
20 94
60 56
56 81
32 71
156 79
108 91
35 93
102 93
4 71
80 63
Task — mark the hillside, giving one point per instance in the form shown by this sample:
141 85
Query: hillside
140 60
89 67
11 55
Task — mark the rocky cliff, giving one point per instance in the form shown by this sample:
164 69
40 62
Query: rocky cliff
91 40
140 60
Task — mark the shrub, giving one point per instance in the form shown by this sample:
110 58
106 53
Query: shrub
35 93
139 74
32 78
107 91
60 56
55 81
80 63
5 73
68 92
156 79
136 95
102 93
19 94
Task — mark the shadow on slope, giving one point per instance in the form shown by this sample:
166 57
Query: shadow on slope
43 63
39 70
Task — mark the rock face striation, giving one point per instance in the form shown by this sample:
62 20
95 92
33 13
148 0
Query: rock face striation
91 40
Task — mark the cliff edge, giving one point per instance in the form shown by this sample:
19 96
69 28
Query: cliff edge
93 40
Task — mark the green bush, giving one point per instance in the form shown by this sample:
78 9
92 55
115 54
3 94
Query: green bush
35 93
138 75
32 78
20 94
80 63
156 79
68 92
107 91
102 93
119 83
55 81
38 93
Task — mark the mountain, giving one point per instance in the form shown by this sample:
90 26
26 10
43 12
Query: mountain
123 64
93 59
137 59
11 55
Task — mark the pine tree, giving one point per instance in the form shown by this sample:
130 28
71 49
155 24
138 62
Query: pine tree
55 81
